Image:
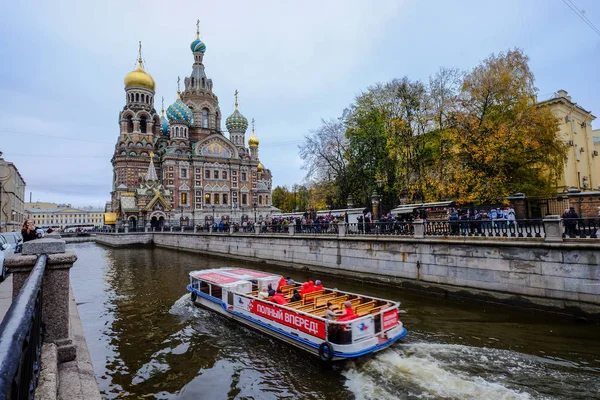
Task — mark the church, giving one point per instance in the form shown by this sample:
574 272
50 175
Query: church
179 168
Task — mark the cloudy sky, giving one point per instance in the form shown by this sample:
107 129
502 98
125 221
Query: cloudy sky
63 63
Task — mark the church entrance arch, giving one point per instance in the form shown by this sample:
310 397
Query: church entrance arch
132 222
157 220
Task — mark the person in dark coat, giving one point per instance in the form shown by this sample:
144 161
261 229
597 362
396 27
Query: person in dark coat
28 231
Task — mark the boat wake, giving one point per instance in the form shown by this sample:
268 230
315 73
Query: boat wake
184 308
433 371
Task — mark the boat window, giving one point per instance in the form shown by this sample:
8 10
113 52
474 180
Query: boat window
230 297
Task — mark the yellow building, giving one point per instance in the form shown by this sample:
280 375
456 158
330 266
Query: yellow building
582 169
61 217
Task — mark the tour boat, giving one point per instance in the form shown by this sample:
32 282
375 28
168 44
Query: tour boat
233 292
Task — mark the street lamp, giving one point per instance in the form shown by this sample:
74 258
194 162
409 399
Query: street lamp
254 211
213 208
181 222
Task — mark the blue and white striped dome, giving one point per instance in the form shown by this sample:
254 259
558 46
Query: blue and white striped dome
198 46
178 111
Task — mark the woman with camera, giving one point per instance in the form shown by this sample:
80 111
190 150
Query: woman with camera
28 232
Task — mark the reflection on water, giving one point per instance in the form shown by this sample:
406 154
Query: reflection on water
147 340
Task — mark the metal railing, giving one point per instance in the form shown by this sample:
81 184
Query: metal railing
396 228
523 228
581 228
21 336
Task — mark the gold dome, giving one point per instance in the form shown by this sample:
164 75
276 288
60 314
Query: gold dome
139 77
260 167
253 141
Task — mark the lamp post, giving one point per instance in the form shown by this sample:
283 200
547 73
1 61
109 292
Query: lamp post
235 208
379 186
213 209
375 202
181 221
254 206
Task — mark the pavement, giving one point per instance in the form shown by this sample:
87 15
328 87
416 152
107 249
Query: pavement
5 296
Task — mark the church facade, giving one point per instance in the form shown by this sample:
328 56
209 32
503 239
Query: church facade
178 167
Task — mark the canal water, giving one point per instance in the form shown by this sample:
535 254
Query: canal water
147 341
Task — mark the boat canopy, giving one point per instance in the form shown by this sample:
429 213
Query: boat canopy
233 276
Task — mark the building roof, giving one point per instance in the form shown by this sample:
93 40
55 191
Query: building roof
62 210
567 101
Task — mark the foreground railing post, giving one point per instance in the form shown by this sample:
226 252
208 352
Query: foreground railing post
55 289
257 228
552 229
419 226
291 229
342 229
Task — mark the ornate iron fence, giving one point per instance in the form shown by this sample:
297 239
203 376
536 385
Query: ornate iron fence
380 228
523 228
21 336
581 228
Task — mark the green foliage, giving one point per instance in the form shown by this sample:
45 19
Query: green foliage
473 137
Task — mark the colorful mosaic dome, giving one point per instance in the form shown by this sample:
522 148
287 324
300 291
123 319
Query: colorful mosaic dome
198 46
236 122
178 111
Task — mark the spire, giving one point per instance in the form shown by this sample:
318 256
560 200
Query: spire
151 174
140 61
198 29
162 109
178 91
253 126
236 99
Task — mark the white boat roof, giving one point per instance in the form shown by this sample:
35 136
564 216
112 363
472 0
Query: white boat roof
231 276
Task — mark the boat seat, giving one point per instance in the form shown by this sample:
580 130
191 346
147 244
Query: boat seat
337 301
308 307
310 297
322 300
296 304
365 307
379 308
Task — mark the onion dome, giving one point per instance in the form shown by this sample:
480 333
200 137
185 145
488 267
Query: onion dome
139 77
253 141
178 111
236 121
260 167
197 45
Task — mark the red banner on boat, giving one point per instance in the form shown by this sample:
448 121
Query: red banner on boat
215 277
300 322
390 319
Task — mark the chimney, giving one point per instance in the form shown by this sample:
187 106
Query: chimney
563 93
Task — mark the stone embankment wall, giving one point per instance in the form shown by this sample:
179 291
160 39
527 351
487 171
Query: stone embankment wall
555 275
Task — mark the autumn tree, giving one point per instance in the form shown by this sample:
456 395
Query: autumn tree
502 142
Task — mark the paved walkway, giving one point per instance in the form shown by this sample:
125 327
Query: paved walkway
5 296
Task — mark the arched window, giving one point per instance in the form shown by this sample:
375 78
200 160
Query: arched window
193 81
267 200
137 97
177 132
143 124
205 118
129 124
259 199
203 82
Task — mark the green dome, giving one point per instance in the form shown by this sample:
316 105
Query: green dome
236 122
